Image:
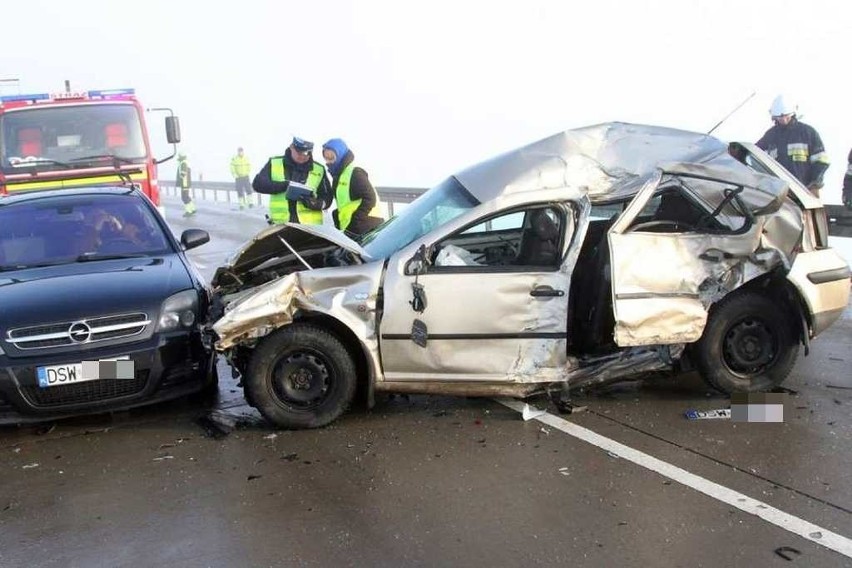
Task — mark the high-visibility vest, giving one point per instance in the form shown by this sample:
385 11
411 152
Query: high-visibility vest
279 206
346 206
240 166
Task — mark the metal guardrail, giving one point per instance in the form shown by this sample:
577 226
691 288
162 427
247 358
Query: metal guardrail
225 192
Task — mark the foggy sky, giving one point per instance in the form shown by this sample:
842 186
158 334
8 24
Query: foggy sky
422 89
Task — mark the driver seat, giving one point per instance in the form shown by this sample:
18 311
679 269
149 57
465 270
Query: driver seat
29 142
540 241
116 135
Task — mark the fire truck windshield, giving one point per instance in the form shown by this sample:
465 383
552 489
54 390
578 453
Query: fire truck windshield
76 136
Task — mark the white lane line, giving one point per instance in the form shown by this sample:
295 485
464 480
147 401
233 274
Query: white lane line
777 517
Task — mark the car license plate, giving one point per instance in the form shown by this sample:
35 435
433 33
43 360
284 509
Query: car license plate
55 375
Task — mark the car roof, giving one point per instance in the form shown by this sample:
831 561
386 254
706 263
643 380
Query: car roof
607 162
29 195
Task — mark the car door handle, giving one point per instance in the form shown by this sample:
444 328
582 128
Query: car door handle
545 292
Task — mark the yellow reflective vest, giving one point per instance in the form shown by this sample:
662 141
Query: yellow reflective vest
346 206
279 205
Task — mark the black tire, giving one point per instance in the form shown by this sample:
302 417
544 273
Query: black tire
300 377
748 344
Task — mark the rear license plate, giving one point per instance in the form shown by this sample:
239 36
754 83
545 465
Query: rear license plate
70 373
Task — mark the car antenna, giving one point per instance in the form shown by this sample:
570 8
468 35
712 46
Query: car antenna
727 116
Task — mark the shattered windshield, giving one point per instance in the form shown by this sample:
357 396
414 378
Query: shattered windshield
434 208
81 228
50 138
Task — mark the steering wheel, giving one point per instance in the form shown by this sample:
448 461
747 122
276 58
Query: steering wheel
663 223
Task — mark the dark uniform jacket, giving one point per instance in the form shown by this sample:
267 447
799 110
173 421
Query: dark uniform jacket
797 147
294 171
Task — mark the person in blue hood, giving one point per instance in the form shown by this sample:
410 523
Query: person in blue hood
357 201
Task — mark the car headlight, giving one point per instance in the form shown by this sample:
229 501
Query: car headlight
178 311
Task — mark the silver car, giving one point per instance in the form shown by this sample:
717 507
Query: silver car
587 257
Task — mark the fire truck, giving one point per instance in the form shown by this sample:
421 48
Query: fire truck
74 139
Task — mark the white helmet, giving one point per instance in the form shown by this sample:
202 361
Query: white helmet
781 106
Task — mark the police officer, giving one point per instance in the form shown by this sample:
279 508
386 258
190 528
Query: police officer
795 145
183 180
297 164
357 201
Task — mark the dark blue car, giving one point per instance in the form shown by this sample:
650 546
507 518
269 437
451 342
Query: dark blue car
100 309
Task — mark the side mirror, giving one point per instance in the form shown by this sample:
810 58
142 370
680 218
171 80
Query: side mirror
417 263
192 238
172 129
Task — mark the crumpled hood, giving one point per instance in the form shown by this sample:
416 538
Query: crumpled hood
267 245
77 290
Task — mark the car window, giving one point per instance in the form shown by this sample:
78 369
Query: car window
66 229
677 210
517 240
436 207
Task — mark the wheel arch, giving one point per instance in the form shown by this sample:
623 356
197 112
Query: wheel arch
365 389
779 288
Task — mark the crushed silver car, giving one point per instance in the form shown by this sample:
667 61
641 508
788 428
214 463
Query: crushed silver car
590 256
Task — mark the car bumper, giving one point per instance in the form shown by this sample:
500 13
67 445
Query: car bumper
822 278
165 367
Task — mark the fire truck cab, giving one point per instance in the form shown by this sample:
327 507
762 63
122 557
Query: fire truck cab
76 139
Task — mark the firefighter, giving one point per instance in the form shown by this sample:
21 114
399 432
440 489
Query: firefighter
795 145
297 165
240 169
184 182
357 201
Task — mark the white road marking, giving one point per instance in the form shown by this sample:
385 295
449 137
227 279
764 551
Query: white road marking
777 517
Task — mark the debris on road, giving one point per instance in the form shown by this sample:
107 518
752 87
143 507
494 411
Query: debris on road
165 457
531 412
30 466
270 436
782 550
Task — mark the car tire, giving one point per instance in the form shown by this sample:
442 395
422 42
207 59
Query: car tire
300 376
748 345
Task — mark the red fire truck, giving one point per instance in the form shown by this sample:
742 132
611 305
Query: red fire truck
72 139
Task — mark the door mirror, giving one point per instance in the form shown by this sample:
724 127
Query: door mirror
192 238
418 262
172 129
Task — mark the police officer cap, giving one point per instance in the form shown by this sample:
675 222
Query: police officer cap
302 145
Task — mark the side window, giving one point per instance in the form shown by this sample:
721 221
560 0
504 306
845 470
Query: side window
519 240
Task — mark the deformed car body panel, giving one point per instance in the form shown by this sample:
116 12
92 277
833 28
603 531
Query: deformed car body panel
665 283
483 331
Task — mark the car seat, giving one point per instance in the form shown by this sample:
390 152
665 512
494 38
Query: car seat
29 142
540 241
115 135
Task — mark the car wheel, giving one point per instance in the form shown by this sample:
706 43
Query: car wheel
300 377
748 345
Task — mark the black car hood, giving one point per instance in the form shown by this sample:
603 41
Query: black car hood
71 291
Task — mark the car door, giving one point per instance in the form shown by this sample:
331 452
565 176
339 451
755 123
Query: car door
496 301
664 271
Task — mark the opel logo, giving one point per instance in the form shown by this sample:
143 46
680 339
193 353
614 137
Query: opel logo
79 332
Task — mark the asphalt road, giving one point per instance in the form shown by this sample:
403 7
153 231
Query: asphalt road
437 481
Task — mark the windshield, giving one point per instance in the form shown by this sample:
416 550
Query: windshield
434 208
60 230
75 136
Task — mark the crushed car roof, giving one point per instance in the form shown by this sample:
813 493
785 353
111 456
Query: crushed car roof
610 161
